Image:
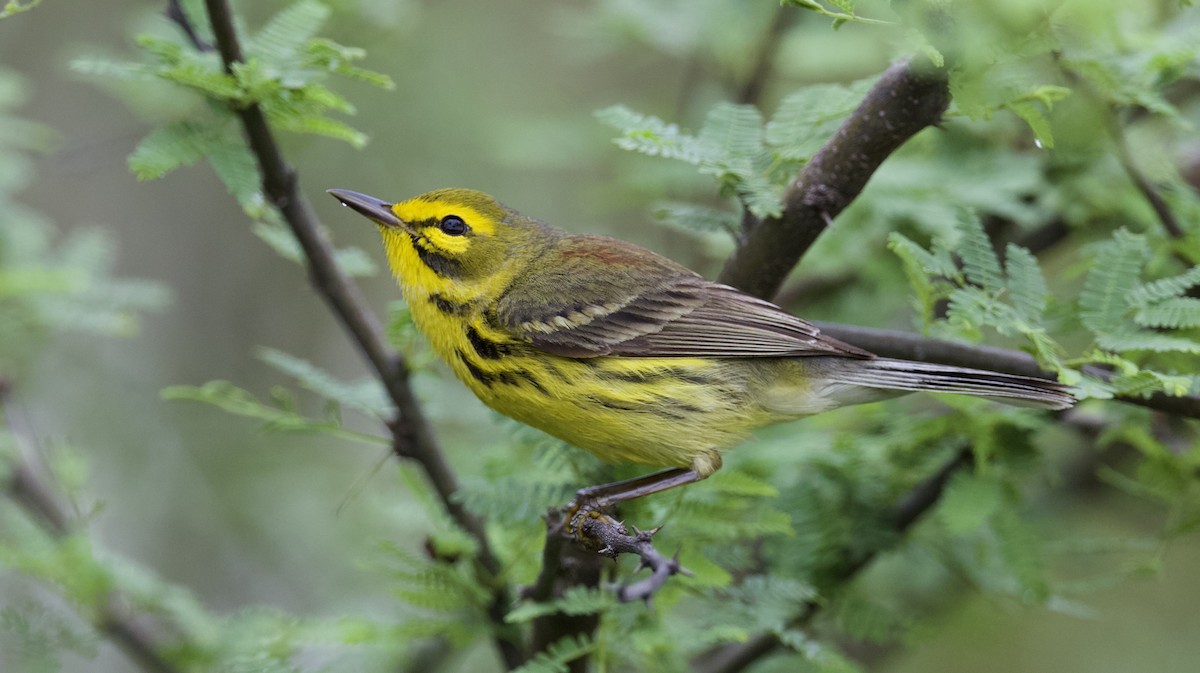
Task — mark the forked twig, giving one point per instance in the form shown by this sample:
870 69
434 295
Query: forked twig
613 539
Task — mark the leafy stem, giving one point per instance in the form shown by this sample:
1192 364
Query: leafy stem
413 437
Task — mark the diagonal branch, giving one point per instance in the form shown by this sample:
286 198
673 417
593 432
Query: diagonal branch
905 100
413 436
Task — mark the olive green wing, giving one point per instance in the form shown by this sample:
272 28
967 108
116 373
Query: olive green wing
625 301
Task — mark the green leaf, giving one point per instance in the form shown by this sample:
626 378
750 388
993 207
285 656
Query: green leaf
289 30
806 118
1165 288
1021 550
366 396
235 166
14 7
652 136
576 600
968 502
204 79
1029 107
1104 300
1026 285
324 53
169 147
694 217
839 18
733 131
1173 313
980 262
554 659
734 482
183 143
321 126
237 401
1147 341
923 269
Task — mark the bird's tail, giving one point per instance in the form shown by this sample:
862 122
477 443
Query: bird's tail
908 375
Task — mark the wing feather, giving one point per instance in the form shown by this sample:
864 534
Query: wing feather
656 310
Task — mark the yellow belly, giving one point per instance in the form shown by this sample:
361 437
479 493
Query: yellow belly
665 412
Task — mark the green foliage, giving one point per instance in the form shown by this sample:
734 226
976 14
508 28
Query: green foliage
63 285
839 18
775 531
1011 299
554 659
283 74
749 159
576 600
283 414
693 217
33 639
1125 316
1119 309
14 7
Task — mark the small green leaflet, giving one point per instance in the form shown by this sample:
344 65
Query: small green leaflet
749 159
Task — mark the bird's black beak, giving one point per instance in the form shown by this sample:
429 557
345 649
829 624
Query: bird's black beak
368 206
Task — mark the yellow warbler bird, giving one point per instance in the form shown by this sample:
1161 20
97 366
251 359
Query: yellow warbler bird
621 351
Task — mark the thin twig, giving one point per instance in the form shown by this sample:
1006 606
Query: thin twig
1143 184
28 491
413 436
614 539
178 16
1113 124
760 72
905 100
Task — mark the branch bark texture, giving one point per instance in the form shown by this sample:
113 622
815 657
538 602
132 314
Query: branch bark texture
905 100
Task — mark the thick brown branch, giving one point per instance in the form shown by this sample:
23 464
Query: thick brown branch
414 438
905 100
895 344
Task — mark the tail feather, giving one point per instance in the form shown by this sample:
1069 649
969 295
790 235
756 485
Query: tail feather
909 375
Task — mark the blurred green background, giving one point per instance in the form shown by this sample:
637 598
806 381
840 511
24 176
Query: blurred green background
494 96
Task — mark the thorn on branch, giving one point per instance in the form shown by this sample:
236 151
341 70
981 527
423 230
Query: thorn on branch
609 537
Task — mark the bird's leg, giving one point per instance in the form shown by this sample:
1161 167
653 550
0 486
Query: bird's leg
589 502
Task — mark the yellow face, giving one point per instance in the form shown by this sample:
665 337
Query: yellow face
451 240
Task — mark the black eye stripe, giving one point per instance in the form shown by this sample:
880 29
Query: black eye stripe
442 265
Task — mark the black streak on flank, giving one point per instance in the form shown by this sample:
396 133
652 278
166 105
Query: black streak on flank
440 264
476 373
489 350
533 381
488 378
448 307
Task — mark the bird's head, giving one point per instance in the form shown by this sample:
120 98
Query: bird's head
458 238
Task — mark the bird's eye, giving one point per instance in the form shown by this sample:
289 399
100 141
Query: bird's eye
453 225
